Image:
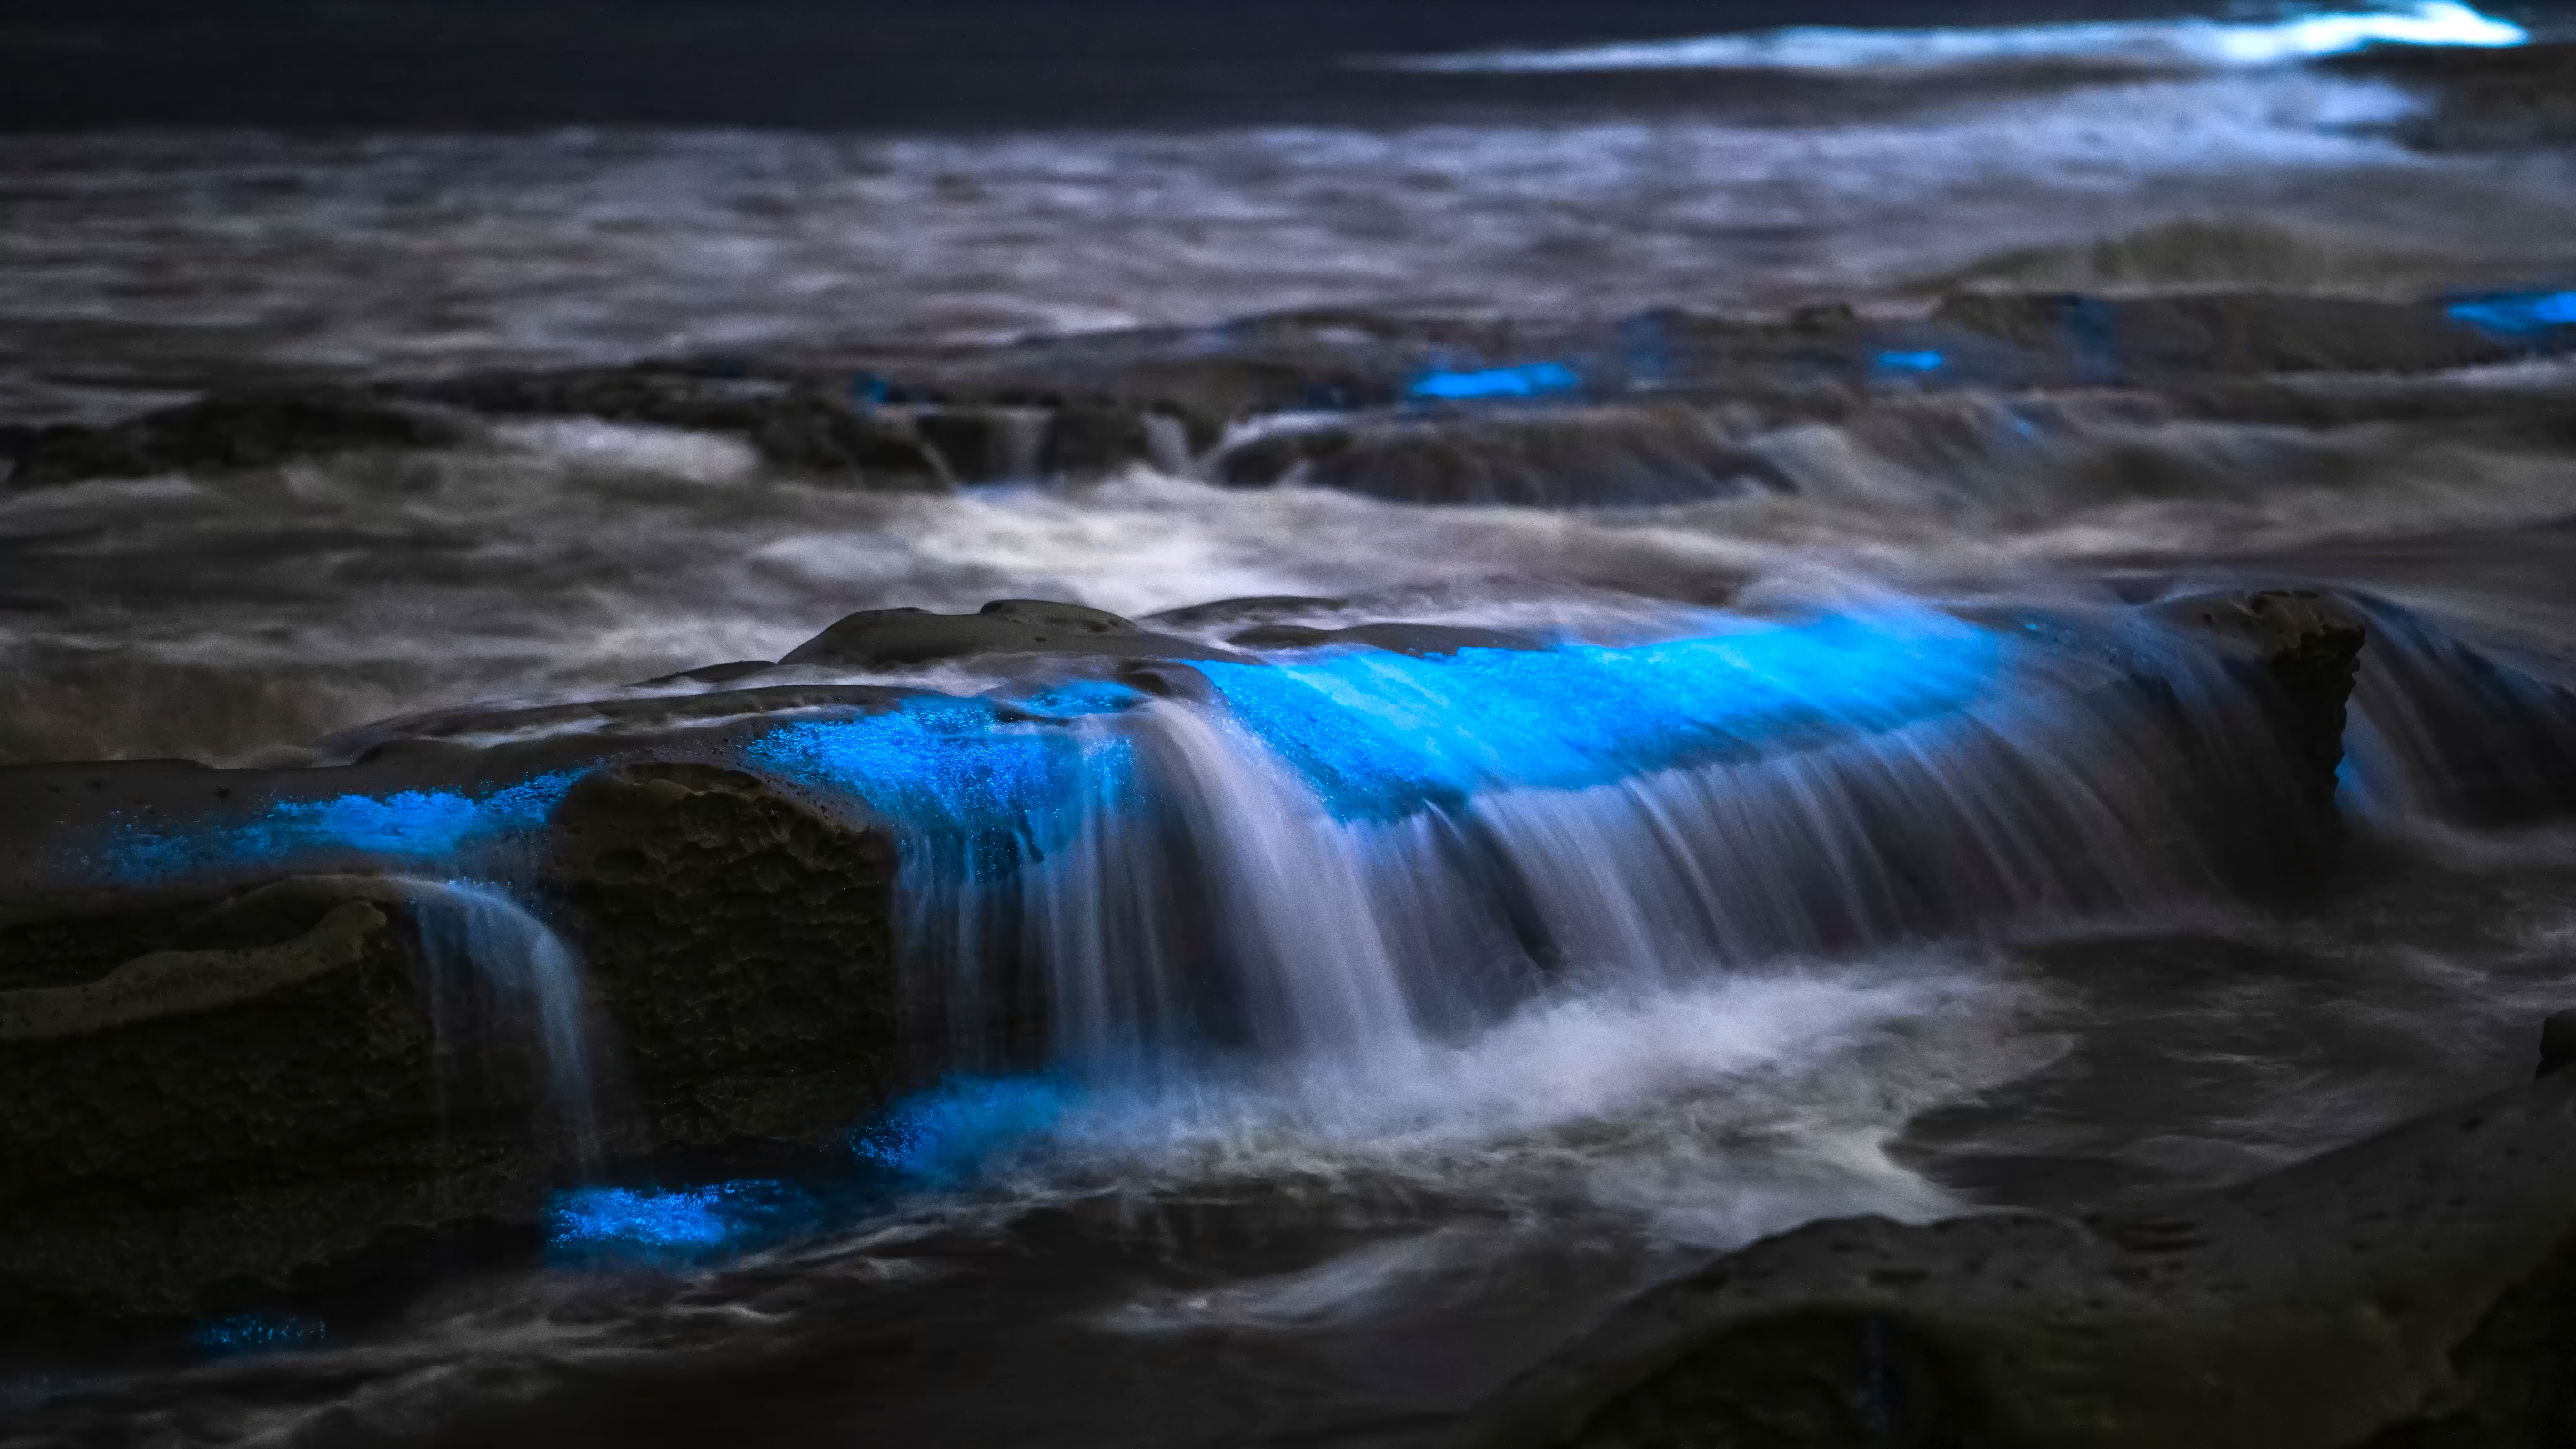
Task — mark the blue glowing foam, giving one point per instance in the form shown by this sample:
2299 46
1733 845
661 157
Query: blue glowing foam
2524 314
259 1333
957 776
1911 362
1380 735
1535 379
955 1128
419 825
673 1224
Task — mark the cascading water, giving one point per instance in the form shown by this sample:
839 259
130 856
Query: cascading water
2444 731
1345 855
500 976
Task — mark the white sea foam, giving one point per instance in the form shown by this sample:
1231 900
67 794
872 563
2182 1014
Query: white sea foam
2191 43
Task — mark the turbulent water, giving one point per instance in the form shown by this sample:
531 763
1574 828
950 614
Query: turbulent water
1395 1161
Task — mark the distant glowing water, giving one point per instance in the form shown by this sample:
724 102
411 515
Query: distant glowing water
2182 42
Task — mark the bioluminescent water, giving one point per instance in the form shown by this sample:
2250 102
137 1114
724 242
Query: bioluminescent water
1662 759
1528 380
414 827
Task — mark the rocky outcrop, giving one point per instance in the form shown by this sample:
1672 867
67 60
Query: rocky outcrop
234 430
232 1088
901 638
741 941
2416 1289
219 997
256 1103
2075 338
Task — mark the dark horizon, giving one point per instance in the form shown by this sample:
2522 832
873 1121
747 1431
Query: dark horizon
826 64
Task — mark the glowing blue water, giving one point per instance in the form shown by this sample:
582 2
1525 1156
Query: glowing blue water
1379 735
954 1129
2525 314
1910 362
686 1224
258 1333
956 775
408 825
1529 380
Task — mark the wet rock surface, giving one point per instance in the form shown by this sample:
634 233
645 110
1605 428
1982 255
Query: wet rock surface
742 943
1658 407
249 1038
899 638
2405 1290
233 430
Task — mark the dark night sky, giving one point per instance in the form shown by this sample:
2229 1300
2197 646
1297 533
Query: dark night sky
824 63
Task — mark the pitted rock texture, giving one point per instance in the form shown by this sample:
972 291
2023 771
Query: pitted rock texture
742 942
256 1102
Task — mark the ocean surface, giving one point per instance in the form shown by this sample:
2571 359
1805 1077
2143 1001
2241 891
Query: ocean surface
1352 1239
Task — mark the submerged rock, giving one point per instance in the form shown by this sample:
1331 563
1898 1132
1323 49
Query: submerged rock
2558 1042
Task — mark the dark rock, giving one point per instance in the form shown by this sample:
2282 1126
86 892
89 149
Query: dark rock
2558 1042
1547 457
725 673
648 394
217 1088
1088 440
2295 653
741 941
805 433
2093 340
2416 1289
258 1100
1418 640
234 430
1262 607
896 638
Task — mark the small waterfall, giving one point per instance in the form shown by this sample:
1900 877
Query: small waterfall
1348 855
497 971
2442 730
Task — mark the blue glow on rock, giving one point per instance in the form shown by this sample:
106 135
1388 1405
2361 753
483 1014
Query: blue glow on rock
259 1333
2525 314
414 825
1535 379
686 1224
1379 735
1077 699
1911 362
954 1129
956 775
